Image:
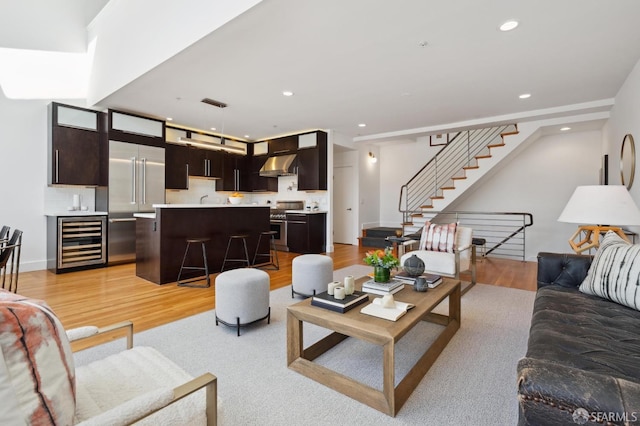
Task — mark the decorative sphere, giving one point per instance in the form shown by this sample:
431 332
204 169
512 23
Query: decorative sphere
413 266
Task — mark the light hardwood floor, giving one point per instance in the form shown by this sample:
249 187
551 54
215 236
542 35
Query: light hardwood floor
108 295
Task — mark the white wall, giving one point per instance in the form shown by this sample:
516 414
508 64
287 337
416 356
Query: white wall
540 181
24 194
47 25
625 118
399 162
153 33
369 190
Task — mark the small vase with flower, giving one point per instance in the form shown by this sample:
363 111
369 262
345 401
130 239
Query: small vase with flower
382 262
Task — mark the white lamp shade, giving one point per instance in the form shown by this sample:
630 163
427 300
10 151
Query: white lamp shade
601 205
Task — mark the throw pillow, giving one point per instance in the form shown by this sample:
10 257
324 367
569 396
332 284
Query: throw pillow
38 360
615 272
438 237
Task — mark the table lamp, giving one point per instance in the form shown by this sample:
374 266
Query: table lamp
602 205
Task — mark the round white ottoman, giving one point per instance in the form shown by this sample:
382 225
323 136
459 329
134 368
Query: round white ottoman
311 274
242 297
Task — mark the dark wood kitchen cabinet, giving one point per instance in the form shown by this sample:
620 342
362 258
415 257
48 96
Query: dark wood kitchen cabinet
235 173
77 153
284 145
176 172
311 163
137 129
306 233
205 163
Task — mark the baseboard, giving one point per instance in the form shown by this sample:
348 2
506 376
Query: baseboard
33 265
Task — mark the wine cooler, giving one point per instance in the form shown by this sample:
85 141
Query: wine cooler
80 243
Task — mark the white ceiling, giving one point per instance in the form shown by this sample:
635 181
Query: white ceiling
360 61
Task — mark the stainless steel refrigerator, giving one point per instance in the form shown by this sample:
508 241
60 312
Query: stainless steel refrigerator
136 182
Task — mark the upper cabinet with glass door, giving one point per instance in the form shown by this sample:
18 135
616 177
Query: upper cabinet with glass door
77 146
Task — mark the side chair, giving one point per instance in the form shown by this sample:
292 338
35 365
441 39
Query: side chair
10 261
459 255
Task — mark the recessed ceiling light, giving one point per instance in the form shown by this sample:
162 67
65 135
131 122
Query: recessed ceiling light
213 128
509 25
564 129
525 96
246 136
362 125
169 119
287 93
423 44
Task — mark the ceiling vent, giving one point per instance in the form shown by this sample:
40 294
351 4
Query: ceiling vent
214 103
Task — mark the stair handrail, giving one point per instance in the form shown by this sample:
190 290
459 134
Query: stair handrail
493 241
448 162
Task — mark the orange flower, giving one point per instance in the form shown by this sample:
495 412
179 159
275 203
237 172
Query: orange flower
385 258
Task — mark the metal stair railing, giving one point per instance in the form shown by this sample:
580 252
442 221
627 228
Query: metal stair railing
504 232
449 162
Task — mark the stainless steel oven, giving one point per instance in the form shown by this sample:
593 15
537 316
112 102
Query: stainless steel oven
278 220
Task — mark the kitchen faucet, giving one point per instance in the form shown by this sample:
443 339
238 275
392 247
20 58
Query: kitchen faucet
202 198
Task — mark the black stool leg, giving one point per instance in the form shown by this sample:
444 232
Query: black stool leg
206 264
255 255
226 254
205 268
272 254
275 253
183 259
246 252
245 260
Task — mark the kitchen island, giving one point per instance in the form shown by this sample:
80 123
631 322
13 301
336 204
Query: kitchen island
161 236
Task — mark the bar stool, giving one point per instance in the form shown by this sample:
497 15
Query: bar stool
271 254
243 239
482 243
189 282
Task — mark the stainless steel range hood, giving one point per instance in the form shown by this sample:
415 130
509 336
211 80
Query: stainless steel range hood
278 166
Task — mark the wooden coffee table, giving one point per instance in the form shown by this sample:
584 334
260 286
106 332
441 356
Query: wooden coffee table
377 331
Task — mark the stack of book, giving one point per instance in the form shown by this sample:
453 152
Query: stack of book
391 287
432 280
327 301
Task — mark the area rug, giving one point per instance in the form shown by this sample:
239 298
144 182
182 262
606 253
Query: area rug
472 382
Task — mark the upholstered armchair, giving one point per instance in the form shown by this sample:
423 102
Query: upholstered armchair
39 384
446 255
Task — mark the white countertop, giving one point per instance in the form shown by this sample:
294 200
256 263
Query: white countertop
191 206
145 215
75 213
306 211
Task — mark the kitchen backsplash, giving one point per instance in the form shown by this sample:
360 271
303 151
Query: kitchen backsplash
287 190
60 198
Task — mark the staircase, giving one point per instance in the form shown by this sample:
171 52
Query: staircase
449 173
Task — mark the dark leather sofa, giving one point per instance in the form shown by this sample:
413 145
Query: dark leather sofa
583 358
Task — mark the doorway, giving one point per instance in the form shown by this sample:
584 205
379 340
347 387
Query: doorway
344 204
